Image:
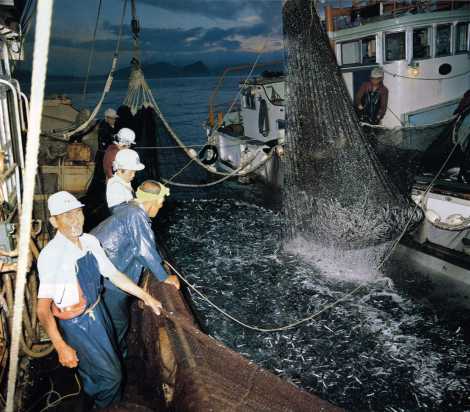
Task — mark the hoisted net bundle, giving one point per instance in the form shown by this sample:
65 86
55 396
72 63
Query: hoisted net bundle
165 158
139 95
337 190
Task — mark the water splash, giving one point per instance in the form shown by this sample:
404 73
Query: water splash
349 265
379 350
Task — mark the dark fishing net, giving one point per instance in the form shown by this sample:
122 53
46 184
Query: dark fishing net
337 190
198 373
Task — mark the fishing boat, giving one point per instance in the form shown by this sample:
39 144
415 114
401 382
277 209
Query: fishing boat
183 368
423 49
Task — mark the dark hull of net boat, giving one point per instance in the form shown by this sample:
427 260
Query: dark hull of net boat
337 190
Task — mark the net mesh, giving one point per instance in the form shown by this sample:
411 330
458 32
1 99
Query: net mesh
200 374
337 190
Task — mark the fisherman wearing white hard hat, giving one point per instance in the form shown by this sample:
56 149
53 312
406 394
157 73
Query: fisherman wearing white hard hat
372 98
70 309
123 139
118 188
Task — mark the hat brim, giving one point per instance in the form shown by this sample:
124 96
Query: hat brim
139 167
73 206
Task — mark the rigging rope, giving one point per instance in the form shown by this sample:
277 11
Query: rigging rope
92 51
237 172
345 296
140 95
107 87
38 81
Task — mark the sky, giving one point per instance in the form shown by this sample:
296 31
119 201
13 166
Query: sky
218 32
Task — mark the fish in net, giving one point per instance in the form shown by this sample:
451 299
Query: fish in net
337 191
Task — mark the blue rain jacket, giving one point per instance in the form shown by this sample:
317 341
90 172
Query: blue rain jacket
92 336
129 242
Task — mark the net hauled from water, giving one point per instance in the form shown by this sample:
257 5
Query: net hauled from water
337 192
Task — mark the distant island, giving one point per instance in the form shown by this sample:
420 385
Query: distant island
153 70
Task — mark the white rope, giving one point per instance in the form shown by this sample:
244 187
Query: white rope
427 78
134 100
414 127
330 305
106 89
92 51
38 81
237 172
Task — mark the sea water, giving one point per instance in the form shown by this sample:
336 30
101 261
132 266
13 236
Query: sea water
382 349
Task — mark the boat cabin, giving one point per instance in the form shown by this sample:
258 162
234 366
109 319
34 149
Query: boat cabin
425 57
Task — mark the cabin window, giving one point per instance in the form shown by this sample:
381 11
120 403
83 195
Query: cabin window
395 46
351 52
368 50
443 35
358 51
461 38
249 99
422 43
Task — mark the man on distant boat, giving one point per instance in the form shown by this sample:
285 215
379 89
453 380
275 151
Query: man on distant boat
129 242
118 188
372 98
124 139
70 269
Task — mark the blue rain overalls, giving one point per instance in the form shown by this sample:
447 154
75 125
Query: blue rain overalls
91 335
118 303
129 242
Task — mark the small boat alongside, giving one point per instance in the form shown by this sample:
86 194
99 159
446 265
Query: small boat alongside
423 50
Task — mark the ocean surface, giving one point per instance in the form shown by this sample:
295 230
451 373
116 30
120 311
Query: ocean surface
385 348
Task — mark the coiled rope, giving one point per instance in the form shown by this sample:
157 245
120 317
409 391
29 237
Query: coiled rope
336 302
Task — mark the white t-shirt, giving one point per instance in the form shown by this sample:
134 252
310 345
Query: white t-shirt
57 267
118 191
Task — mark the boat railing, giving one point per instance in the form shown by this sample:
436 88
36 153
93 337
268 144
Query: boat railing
11 138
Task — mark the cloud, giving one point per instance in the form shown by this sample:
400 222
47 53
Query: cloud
237 29
223 9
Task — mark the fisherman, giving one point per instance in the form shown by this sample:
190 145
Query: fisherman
118 188
372 98
463 104
106 129
129 242
124 139
70 268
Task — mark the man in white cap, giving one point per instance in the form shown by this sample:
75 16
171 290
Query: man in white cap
129 242
70 268
106 129
124 139
118 188
372 98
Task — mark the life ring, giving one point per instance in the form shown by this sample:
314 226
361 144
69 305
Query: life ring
211 151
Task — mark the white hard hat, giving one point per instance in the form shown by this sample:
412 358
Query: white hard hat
110 113
125 136
127 159
62 202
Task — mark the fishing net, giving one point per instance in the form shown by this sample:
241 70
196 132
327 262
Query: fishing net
184 167
198 373
337 190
